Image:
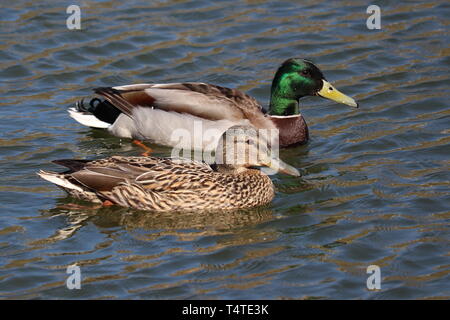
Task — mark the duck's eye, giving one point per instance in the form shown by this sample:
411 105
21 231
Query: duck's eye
249 142
305 72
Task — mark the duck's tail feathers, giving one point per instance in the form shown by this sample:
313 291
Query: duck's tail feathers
86 119
58 179
98 114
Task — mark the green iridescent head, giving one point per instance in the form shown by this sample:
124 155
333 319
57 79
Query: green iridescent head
297 78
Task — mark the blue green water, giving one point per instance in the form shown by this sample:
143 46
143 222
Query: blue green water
375 184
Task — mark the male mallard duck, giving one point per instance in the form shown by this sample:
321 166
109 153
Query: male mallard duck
164 184
154 111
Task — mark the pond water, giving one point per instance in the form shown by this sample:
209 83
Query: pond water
375 180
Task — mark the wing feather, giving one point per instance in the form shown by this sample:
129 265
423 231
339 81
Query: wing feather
199 99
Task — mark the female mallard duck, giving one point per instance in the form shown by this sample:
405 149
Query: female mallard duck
153 111
164 184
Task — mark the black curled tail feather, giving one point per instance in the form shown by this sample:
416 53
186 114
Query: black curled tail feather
114 97
102 110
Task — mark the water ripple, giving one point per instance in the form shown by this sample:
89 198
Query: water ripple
375 180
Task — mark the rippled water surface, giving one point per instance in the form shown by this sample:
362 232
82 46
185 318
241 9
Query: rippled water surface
375 184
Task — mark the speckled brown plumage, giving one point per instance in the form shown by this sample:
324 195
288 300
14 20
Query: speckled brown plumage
169 184
161 184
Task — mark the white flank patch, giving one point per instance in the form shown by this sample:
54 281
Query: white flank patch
124 127
165 127
87 119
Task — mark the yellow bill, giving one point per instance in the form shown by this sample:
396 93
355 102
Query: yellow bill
330 92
